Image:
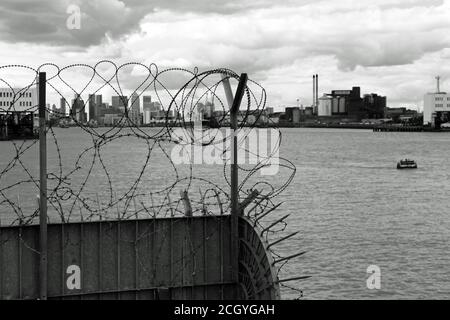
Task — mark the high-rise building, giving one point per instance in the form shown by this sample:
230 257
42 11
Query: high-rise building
147 108
63 106
134 113
92 108
58 113
95 107
120 103
99 100
155 110
77 112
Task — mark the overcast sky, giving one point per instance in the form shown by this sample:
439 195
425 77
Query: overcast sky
392 47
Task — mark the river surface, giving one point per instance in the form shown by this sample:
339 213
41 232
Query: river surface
351 206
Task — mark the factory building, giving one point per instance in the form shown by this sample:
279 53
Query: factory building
375 105
349 104
325 106
292 114
436 107
18 113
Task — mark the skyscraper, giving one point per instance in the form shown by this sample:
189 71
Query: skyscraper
92 107
63 106
77 112
95 107
99 100
120 103
134 113
147 108
155 110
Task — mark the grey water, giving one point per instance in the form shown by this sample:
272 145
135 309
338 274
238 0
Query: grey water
349 203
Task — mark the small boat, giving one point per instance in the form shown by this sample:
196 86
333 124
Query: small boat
407 164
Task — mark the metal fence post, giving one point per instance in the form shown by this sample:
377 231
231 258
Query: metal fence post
234 125
42 187
235 210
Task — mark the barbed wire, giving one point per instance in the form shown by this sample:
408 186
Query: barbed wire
84 181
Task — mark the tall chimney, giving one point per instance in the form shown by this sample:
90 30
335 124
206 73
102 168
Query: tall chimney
438 79
317 90
314 91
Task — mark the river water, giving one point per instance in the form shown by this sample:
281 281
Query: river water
351 206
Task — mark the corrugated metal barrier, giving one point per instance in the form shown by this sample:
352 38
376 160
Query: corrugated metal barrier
173 258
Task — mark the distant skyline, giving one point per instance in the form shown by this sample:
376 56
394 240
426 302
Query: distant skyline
391 47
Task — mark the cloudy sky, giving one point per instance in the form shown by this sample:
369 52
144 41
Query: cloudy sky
392 47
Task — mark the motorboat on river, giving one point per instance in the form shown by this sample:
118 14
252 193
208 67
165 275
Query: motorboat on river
407 164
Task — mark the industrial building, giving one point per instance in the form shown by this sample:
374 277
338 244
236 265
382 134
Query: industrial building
436 107
349 104
18 113
400 114
292 114
374 105
315 104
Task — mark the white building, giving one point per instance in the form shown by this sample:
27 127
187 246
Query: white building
325 106
434 103
18 100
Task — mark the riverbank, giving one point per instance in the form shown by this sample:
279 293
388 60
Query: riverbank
374 127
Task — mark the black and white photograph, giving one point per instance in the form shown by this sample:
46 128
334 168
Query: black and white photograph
227 151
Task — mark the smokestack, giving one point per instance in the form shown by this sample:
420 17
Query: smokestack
438 78
317 90
314 90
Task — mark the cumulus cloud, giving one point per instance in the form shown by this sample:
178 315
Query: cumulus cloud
280 44
272 37
260 32
46 21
